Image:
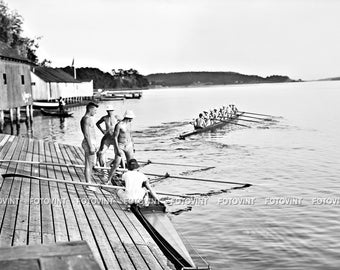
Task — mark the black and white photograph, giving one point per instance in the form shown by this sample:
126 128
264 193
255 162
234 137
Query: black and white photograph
169 134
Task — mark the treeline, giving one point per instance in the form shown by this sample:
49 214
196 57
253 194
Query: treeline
210 78
11 34
119 79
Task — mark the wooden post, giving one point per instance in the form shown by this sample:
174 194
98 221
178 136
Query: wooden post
2 120
18 115
11 115
31 113
2 117
27 112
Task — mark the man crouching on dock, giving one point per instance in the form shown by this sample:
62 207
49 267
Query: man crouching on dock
89 141
137 187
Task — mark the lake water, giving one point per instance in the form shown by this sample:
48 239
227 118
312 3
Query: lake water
289 218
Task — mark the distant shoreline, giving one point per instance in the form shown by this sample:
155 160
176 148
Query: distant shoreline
205 78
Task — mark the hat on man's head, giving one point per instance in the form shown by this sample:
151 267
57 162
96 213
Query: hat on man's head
110 108
129 114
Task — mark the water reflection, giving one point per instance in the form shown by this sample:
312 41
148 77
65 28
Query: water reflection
298 156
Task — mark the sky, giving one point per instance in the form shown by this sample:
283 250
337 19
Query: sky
297 38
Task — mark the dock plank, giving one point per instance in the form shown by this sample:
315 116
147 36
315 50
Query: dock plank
72 228
115 236
106 251
10 218
84 224
59 222
70 255
7 184
34 225
21 227
47 226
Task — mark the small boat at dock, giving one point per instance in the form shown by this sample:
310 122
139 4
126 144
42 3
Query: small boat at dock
45 105
56 113
108 98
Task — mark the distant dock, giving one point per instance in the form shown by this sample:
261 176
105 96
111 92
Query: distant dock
34 212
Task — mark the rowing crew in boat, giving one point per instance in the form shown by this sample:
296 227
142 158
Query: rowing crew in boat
206 119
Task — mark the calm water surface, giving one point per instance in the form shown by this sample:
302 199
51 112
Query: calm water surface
289 218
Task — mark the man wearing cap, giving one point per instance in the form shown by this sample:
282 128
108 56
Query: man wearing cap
123 144
89 141
110 120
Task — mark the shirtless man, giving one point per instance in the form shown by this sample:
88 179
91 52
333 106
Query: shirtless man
206 119
199 123
229 111
89 141
123 143
110 120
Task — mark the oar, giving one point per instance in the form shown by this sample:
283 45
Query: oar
199 179
258 114
259 118
247 120
58 164
235 123
80 183
173 164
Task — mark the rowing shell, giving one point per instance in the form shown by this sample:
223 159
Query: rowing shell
155 220
208 128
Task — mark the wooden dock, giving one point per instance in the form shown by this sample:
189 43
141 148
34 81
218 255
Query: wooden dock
37 212
59 256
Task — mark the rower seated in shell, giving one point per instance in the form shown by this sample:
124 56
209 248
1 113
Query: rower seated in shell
199 122
137 186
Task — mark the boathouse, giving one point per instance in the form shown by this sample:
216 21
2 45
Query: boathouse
48 84
15 83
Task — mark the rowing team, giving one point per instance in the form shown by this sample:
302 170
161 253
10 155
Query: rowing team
117 133
206 119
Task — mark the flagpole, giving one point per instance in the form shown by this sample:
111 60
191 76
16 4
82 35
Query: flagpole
74 69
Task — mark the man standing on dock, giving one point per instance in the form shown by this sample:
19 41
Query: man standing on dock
123 143
89 141
110 120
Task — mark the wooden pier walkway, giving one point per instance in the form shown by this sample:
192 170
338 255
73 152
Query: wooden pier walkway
38 212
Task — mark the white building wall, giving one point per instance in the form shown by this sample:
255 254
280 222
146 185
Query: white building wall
86 89
40 88
50 91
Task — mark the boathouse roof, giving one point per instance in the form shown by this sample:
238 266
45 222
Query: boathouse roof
8 53
49 74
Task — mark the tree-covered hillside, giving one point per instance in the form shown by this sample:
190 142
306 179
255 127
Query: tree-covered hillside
104 80
11 33
210 78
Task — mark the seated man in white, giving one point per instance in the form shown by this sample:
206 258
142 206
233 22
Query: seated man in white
137 186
